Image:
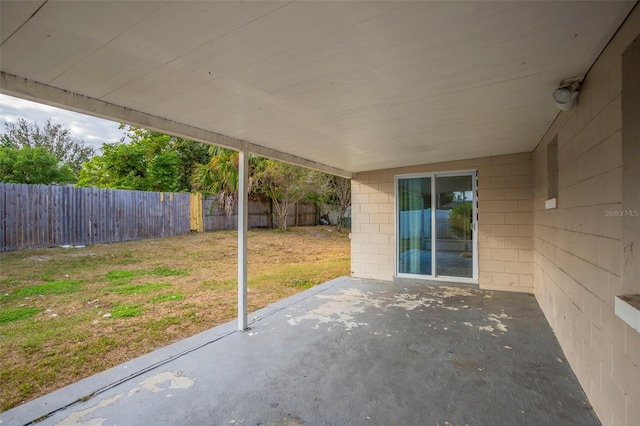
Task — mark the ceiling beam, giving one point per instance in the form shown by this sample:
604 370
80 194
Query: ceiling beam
32 90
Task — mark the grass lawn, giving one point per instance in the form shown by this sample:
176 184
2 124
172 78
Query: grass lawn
66 314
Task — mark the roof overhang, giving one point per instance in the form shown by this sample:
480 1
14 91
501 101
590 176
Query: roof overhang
341 87
49 95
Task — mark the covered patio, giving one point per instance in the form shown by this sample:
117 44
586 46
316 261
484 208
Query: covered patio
400 97
349 351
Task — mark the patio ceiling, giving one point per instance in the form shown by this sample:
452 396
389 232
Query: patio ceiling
355 86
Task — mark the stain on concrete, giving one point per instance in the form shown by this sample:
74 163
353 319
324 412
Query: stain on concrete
170 379
440 299
343 308
340 309
467 364
76 418
498 320
410 302
446 291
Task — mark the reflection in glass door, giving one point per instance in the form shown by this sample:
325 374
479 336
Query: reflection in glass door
414 238
436 225
454 222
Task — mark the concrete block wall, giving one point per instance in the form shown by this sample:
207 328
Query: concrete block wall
578 249
505 222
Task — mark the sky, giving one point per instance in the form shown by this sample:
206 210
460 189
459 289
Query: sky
93 131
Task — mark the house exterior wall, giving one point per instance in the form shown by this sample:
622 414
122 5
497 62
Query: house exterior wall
576 257
505 220
579 247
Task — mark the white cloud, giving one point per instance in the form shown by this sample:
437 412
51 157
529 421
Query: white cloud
93 131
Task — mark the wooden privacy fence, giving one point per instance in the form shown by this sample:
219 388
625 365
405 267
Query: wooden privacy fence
33 216
260 214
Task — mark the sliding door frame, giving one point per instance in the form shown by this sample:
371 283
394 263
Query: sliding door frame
434 236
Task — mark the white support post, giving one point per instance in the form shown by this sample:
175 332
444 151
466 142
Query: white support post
243 219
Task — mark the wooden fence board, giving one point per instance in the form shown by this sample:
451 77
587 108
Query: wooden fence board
12 202
23 214
3 216
10 217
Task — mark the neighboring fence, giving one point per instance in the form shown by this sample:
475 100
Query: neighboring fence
417 223
260 214
33 216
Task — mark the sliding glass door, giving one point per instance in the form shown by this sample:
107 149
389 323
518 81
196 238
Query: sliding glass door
436 224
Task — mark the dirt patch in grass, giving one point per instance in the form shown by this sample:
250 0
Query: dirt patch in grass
68 314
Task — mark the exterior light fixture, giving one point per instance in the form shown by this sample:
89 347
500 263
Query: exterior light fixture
565 96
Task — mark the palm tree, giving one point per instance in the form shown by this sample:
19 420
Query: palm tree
220 176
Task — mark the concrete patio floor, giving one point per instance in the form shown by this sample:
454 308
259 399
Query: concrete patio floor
348 352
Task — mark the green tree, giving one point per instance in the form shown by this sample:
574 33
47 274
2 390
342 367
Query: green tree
94 173
33 166
460 218
121 166
220 176
55 138
163 172
150 161
339 194
286 184
188 153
